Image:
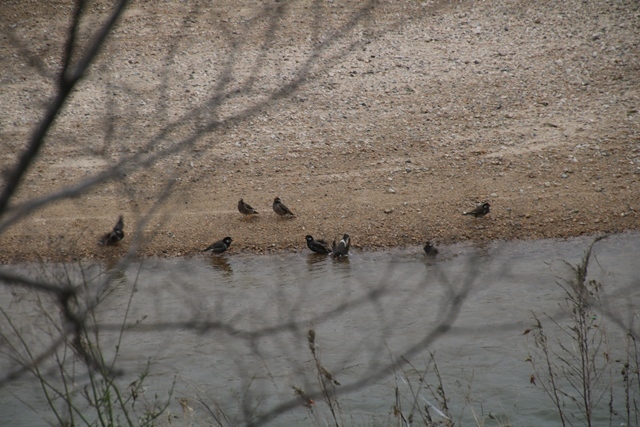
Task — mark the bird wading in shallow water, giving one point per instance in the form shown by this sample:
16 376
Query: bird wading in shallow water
246 209
479 211
115 235
281 209
342 248
318 246
219 246
429 249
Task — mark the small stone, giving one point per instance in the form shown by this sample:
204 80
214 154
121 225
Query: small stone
564 176
494 194
391 190
547 184
388 210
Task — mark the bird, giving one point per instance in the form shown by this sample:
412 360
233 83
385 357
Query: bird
245 208
342 248
219 246
280 208
115 235
430 250
480 210
318 246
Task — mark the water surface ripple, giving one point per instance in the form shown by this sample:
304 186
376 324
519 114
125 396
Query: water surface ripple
232 329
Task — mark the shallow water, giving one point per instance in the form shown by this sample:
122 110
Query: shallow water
233 329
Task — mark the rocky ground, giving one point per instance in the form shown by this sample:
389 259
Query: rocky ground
386 123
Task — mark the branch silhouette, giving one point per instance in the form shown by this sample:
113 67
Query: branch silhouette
67 80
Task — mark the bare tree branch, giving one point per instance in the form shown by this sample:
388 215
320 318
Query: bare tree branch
66 84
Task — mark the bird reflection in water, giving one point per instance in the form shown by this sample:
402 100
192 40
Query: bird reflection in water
220 263
314 260
343 260
113 275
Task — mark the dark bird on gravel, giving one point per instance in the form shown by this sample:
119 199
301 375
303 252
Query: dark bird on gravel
115 235
480 210
318 246
245 208
280 208
342 248
219 246
430 250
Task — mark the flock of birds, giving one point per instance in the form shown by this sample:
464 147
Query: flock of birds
319 246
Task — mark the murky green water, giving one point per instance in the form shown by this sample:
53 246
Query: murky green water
232 330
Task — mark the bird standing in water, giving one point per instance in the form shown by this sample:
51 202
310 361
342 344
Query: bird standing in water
246 209
430 250
479 211
342 248
281 209
318 246
219 246
115 235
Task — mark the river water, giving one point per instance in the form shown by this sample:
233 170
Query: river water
230 332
